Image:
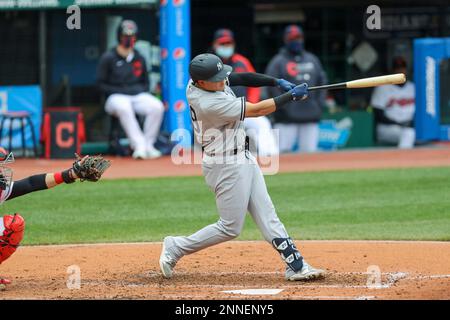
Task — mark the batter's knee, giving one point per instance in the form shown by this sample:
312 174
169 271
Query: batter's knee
231 229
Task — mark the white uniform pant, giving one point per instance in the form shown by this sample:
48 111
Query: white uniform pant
260 131
305 135
239 187
126 106
404 137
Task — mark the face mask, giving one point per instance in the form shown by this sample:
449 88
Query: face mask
295 46
128 42
225 51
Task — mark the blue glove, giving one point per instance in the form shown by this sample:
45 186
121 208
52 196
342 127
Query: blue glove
300 92
285 85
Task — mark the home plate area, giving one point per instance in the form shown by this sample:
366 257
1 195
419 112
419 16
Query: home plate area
235 270
271 285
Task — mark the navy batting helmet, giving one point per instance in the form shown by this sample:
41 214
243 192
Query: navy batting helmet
209 67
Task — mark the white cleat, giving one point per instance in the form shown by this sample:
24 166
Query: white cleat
306 273
153 153
139 154
166 262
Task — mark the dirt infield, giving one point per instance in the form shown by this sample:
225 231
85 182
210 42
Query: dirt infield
407 270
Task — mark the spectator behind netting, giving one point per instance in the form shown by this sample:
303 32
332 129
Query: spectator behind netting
123 79
258 129
298 125
394 107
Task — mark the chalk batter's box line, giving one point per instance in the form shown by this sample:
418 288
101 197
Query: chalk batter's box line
189 287
393 277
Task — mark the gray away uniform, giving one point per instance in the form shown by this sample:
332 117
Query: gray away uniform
230 171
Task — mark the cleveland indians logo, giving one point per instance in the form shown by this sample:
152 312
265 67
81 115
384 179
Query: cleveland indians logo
292 69
137 68
404 102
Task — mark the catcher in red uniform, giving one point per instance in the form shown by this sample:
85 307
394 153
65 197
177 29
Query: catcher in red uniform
12 227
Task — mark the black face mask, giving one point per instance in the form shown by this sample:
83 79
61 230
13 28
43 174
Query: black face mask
128 42
295 47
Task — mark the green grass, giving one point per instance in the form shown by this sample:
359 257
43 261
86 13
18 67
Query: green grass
396 204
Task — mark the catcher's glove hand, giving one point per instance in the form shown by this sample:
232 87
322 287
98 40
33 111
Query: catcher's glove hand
90 168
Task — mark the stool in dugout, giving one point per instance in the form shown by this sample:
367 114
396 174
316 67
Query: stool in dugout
24 119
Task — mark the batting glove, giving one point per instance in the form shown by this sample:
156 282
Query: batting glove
300 92
285 85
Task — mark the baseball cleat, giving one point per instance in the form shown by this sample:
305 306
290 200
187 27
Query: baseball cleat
153 153
139 154
166 262
3 283
306 273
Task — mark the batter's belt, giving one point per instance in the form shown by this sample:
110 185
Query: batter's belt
233 152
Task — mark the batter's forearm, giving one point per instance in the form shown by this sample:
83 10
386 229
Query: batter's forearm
268 106
252 79
259 109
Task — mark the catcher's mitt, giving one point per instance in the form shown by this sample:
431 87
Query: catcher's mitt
90 168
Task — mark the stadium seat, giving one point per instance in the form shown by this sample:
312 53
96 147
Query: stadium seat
24 118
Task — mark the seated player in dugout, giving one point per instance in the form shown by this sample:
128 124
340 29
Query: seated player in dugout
259 129
12 226
230 170
394 108
123 78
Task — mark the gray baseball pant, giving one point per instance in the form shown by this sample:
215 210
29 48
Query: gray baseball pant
239 187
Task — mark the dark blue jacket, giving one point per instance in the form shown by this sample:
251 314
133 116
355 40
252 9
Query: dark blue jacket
298 69
116 75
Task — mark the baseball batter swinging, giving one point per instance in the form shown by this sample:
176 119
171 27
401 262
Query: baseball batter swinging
230 170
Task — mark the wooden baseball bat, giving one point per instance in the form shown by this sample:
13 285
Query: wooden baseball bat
397 78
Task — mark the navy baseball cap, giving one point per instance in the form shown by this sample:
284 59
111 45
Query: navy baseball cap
208 67
293 32
223 36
